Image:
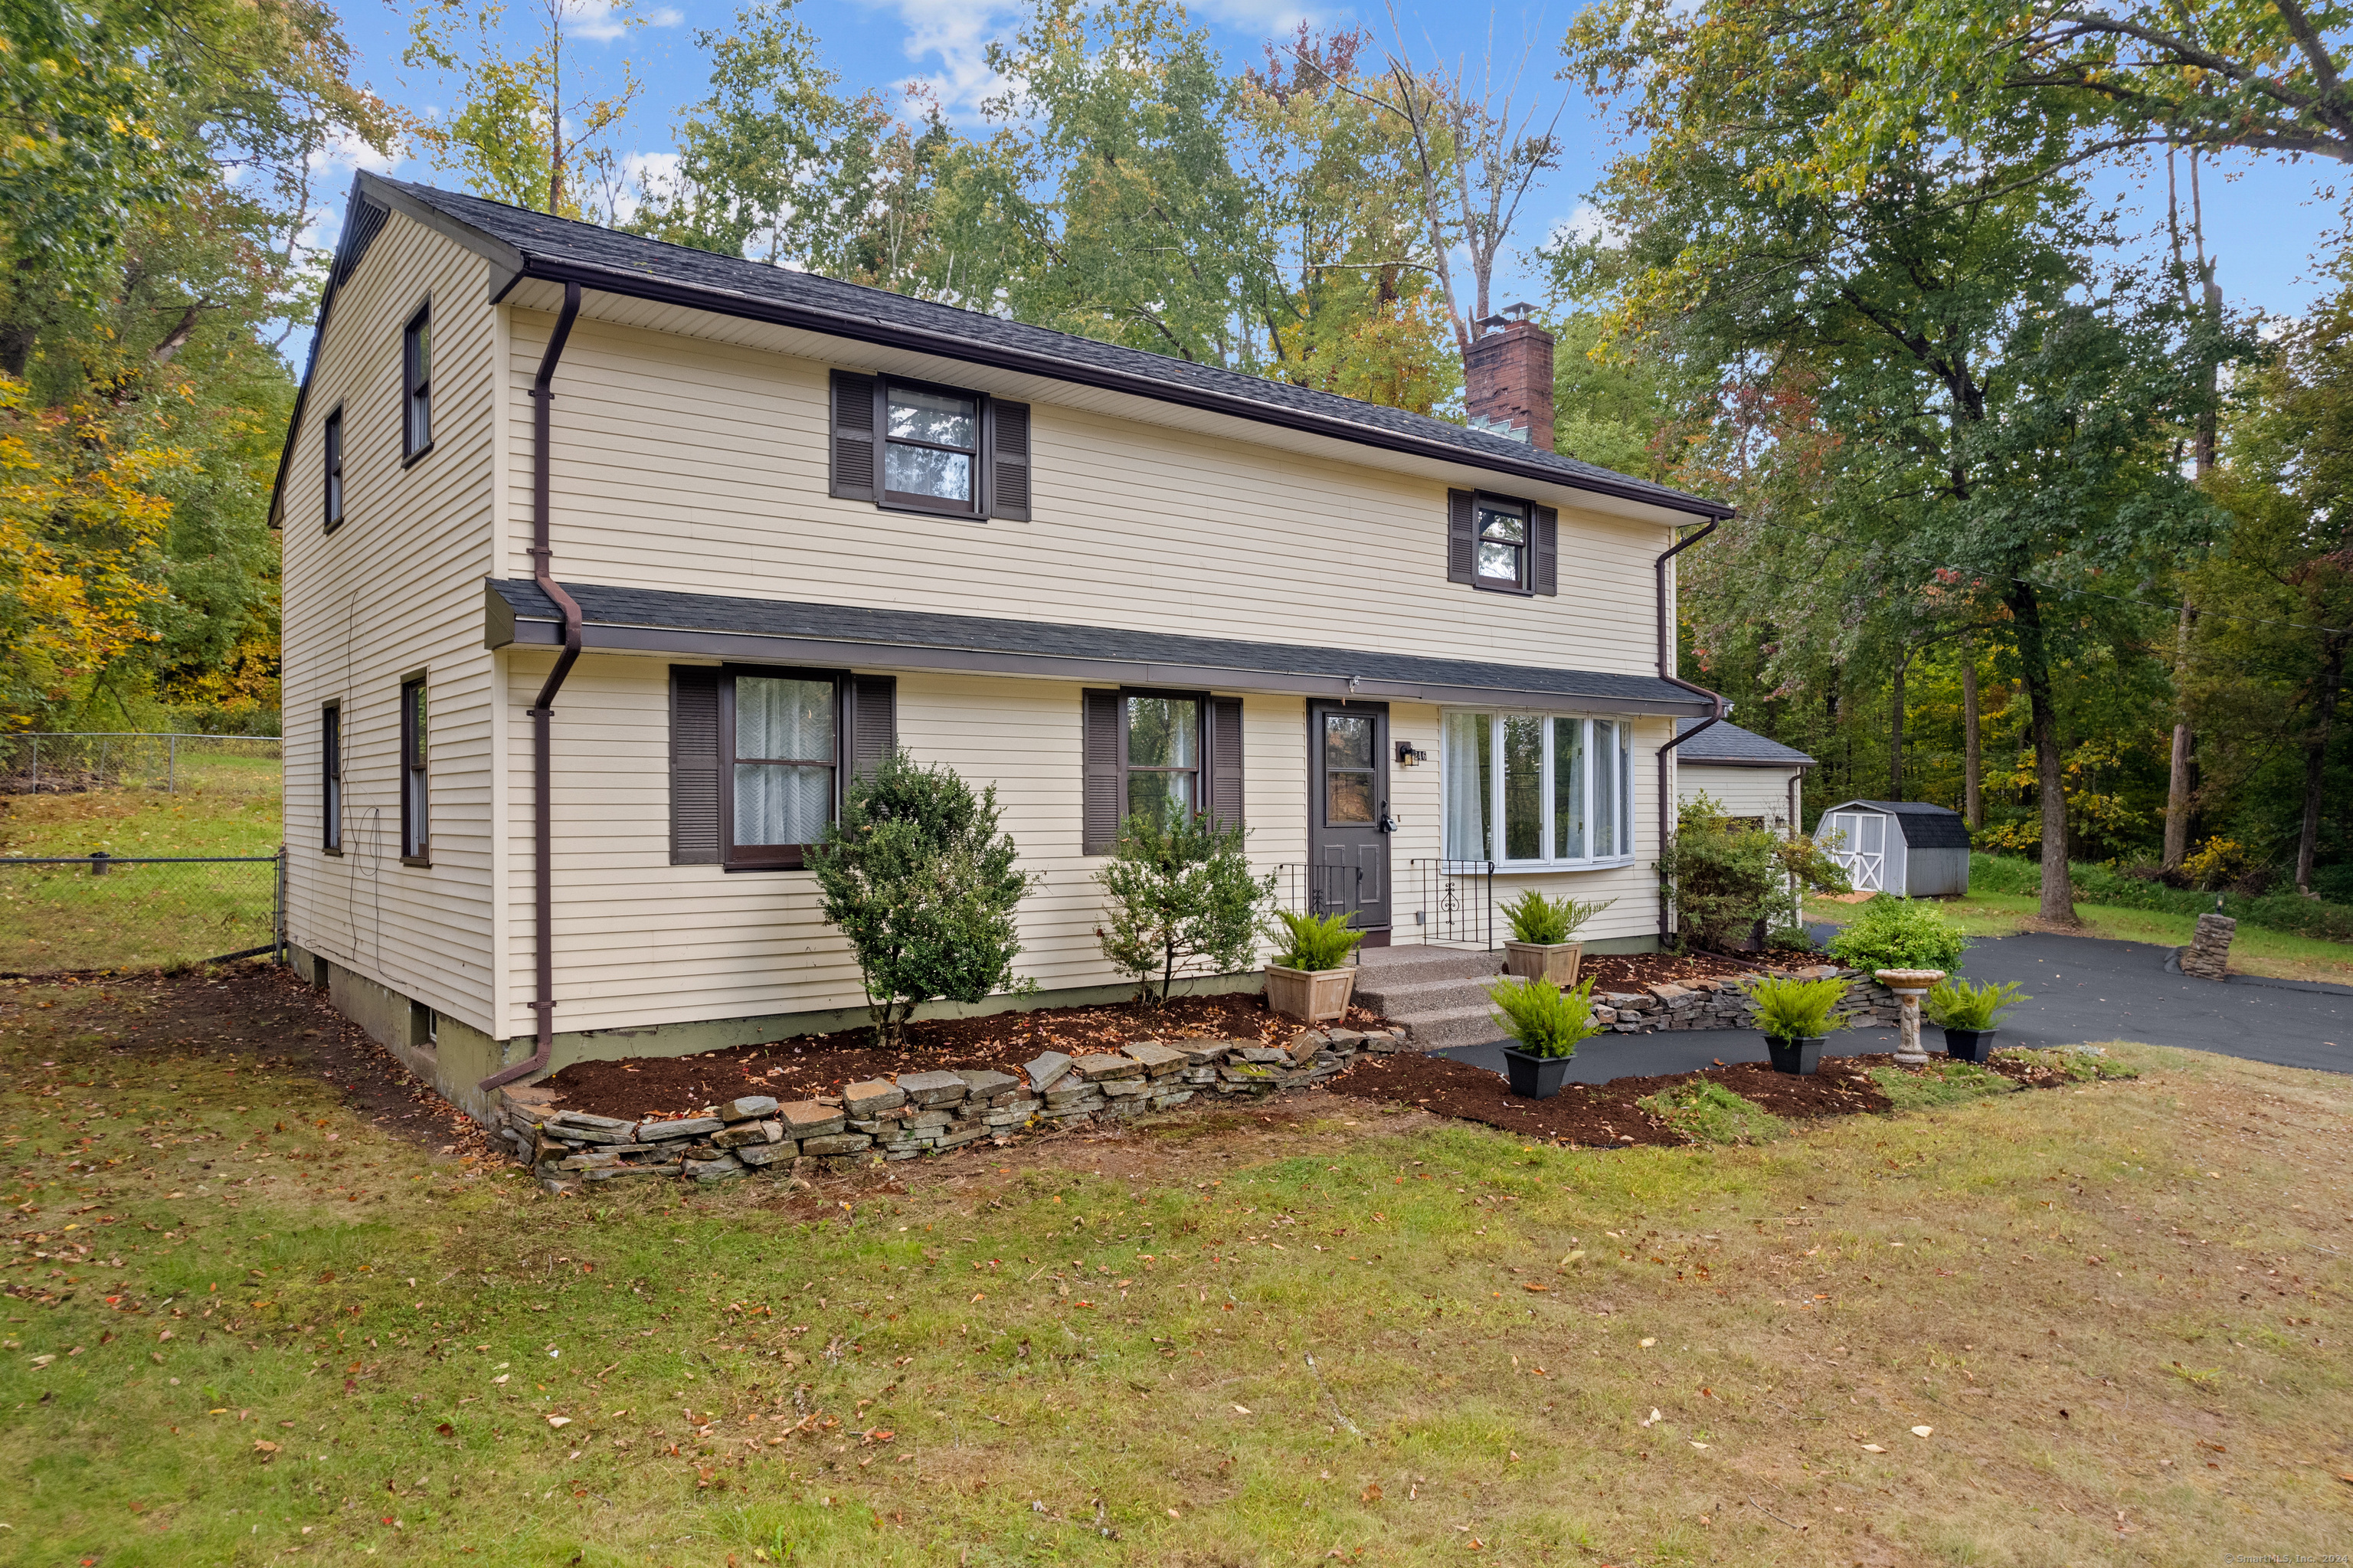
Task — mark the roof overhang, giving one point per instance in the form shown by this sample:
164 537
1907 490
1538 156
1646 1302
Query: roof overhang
1687 760
764 632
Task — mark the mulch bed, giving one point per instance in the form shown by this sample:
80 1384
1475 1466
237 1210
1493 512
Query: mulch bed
1602 1115
1631 971
821 1063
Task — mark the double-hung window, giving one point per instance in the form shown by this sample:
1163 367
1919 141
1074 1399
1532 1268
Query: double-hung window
334 455
1503 545
331 779
1164 756
930 448
781 735
416 830
1537 789
1502 559
417 385
915 446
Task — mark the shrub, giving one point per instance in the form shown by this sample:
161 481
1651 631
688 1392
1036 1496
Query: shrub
1545 1020
1892 933
1956 1003
1314 942
1182 899
1724 876
2289 911
1707 1112
1797 1010
1535 918
916 875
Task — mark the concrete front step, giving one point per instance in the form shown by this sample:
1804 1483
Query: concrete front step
1400 1001
1438 994
1451 1026
1419 963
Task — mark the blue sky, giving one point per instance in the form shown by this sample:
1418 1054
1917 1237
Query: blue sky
2264 217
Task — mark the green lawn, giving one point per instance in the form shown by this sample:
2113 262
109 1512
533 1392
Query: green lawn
63 918
2101 1324
2255 949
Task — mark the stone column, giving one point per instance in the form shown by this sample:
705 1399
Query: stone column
2208 955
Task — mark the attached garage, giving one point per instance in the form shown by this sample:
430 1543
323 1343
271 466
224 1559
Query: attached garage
1753 779
1899 846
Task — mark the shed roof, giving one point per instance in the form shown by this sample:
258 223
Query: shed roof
1727 744
524 244
1924 826
658 621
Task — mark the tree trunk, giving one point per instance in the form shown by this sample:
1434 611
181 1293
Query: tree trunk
1972 751
2315 761
1896 733
2177 792
2035 663
17 347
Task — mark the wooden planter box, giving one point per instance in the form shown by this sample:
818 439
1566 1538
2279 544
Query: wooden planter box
1312 996
1556 961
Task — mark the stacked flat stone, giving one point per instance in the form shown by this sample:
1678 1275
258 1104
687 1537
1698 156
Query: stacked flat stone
1725 1002
914 1113
2208 955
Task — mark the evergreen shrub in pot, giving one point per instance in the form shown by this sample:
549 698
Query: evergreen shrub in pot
1797 1018
1312 979
1547 1023
1542 945
1968 1014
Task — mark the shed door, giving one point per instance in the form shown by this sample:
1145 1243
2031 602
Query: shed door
1862 848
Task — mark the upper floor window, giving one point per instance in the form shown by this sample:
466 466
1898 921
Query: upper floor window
331 779
334 455
1533 790
416 831
417 385
929 448
1501 545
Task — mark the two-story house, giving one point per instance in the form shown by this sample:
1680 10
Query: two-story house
607 563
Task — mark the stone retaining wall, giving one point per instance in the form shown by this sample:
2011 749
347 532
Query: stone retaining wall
912 1113
1725 1004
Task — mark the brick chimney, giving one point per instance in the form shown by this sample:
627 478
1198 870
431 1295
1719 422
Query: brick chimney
1507 378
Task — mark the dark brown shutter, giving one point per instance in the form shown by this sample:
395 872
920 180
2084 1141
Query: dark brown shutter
1544 537
1225 760
1009 473
853 435
1100 814
1461 534
873 722
693 765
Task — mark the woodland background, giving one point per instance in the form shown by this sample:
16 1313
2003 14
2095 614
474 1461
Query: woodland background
2028 525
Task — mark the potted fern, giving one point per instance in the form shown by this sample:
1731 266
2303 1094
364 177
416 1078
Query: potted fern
1540 946
1547 1023
1968 1013
1310 979
1797 1018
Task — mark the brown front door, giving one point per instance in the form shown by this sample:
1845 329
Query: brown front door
1348 820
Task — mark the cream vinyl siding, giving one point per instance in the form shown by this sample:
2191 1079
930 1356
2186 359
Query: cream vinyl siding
690 465
639 941
395 590
1742 791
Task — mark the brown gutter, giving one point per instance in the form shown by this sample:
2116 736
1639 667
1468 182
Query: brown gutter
542 713
1666 659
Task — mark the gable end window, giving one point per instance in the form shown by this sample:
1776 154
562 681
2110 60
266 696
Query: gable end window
417 385
416 833
758 755
1501 545
1536 790
1160 755
332 454
331 778
913 446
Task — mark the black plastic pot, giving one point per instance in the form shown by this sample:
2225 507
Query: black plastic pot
1968 1044
1533 1077
1800 1056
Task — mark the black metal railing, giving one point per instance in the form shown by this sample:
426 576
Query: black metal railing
1309 889
1458 902
60 913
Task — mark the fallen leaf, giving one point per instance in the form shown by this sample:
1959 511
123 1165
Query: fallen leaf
1922 1431
1241 1410
445 1430
1699 1444
1652 1416
1371 1494
1529 1287
559 1421
1872 1449
1648 1343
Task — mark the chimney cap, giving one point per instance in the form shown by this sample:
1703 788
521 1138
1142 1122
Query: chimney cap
1508 316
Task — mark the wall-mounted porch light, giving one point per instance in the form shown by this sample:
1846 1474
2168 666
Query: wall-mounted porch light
1407 757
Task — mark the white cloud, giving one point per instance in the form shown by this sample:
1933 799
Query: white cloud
952 37
643 174
1587 225
597 20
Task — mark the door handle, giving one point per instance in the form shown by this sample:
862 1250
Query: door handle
1388 824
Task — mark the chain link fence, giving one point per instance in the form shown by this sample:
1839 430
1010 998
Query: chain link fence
103 912
60 763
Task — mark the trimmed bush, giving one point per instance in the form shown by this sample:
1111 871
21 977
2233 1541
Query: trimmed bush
1724 877
1182 901
1892 933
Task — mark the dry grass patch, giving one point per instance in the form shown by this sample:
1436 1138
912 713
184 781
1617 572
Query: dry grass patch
2115 1308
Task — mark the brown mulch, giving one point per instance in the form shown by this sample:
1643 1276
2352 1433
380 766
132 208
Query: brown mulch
1603 1114
821 1063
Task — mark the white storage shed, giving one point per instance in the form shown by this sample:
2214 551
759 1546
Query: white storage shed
1899 846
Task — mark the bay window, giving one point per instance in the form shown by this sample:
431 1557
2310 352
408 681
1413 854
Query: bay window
1537 790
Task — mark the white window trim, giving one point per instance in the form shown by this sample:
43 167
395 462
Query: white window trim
1495 802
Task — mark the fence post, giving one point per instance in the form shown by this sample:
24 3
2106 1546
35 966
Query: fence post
37 763
98 859
277 913
172 770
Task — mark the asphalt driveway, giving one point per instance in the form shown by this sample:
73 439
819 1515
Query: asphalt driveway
2083 989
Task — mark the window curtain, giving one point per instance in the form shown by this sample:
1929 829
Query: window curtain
1469 760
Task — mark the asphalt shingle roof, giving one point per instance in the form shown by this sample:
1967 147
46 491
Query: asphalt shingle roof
560 249
1730 745
904 629
1924 826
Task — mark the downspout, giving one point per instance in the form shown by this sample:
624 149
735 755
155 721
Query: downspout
542 713
1666 673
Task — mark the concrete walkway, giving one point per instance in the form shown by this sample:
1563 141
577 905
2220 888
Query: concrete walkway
2083 989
